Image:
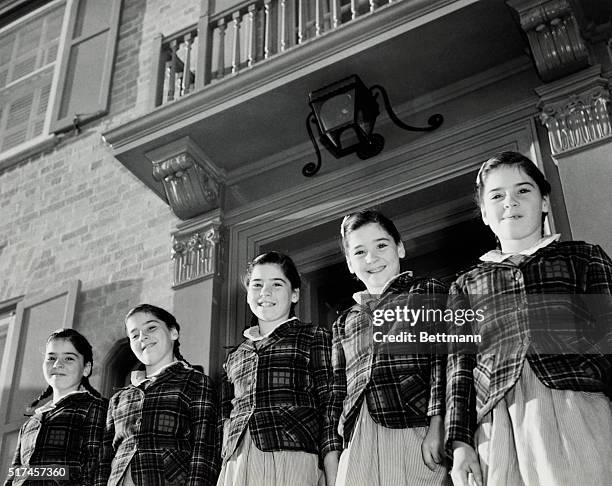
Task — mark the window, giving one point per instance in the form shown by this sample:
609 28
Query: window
21 380
55 65
6 319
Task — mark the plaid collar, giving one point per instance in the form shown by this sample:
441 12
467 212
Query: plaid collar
496 256
400 281
279 333
50 405
252 333
139 377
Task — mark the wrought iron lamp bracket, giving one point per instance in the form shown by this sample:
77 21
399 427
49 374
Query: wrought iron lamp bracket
311 168
374 143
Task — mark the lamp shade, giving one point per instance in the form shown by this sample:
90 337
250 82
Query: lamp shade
345 112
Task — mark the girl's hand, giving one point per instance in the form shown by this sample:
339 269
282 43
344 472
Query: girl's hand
330 464
466 468
432 447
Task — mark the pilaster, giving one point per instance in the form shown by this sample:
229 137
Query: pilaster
197 254
576 113
196 249
575 110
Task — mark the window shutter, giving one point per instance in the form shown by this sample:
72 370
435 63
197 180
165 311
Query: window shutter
21 377
27 62
87 63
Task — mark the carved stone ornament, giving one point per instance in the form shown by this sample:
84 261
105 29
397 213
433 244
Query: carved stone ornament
554 36
575 111
190 189
195 252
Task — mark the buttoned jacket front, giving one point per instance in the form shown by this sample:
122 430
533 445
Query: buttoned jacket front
552 309
401 389
164 430
67 433
279 387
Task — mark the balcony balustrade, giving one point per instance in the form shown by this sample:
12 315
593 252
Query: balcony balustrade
225 43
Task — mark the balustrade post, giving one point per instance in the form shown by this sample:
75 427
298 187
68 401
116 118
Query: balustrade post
335 12
318 18
221 54
301 21
158 64
282 7
172 70
267 28
252 54
187 67
236 17
204 59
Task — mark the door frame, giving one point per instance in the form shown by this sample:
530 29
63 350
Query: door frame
435 158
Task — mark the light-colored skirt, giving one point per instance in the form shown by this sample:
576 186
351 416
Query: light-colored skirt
538 436
249 466
378 456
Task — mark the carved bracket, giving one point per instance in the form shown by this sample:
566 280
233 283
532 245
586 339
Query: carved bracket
576 111
193 185
196 251
557 45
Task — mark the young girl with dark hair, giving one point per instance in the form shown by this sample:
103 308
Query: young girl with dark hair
527 405
388 400
161 429
276 394
67 430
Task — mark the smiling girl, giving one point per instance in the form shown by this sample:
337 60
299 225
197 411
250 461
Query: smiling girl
276 394
388 402
67 430
160 430
527 406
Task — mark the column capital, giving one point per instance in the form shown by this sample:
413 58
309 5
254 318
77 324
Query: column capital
557 45
193 184
196 248
575 110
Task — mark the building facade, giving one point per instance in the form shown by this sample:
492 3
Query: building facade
150 149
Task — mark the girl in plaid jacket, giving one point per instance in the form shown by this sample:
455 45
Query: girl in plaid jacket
161 429
277 426
66 431
388 400
527 405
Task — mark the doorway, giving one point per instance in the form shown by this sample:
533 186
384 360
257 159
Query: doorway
441 230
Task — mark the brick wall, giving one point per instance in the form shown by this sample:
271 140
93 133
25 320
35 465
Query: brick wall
77 213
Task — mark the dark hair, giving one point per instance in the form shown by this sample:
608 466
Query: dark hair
287 267
274 257
511 159
163 315
354 221
81 344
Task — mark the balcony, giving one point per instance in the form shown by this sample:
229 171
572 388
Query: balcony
236 84
245 35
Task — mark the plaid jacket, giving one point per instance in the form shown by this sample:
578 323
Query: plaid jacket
401 388
68 433
280 389
166 431
552 308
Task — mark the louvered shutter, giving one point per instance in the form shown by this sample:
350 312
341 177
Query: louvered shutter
85 73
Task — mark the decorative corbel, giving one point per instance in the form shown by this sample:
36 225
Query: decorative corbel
557 46
193 185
